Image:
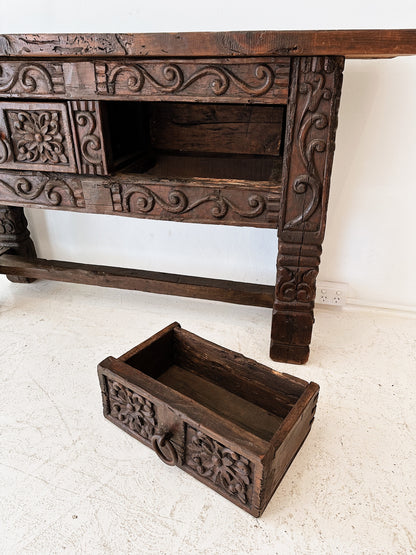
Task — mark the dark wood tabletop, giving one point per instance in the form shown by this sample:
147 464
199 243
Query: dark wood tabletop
374 43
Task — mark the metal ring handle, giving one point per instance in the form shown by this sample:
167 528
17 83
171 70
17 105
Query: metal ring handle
160 442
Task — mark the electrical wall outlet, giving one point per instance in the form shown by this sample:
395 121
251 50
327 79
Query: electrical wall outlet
331 293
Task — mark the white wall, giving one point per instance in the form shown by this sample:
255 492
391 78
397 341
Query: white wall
370 232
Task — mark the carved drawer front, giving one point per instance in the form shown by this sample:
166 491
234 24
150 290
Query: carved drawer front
78 136
36 136
142 416
224 419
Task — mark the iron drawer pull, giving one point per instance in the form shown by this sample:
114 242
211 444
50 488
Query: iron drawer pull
160 442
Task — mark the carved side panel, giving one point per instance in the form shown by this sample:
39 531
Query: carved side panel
265 81
35 136
229 471
31 79
87 125
309 147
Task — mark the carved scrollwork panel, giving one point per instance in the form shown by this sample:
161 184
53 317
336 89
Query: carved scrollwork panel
228 470
31 78
142 199
202 204
42 190
87 126
221 79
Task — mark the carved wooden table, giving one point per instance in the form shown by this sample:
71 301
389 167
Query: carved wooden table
223 128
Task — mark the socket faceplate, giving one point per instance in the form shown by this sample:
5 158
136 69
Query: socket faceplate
331 293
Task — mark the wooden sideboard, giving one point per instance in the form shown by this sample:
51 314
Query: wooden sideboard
230 128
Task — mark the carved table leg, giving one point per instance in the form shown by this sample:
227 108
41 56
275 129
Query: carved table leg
307 162
14 235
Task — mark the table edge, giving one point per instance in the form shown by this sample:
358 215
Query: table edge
371 43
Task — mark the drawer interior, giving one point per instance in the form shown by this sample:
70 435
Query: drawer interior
206 140
251 417
247 394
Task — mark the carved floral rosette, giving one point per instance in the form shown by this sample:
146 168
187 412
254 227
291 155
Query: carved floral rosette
36 136
132 410
225 468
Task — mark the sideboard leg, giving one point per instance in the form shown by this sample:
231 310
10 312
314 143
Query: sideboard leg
14 235
297 269
311 122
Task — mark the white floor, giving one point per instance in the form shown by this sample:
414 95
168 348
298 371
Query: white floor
72 482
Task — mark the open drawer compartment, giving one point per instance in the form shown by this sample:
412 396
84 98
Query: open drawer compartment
230 422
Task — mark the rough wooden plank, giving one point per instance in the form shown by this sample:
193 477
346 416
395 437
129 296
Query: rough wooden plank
373 43
216 128
243 376
288 440
140 280
245 414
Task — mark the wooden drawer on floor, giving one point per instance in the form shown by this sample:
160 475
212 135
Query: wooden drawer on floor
230 422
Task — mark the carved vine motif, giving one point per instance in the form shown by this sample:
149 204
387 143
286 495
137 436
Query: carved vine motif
37 136
141 199
135 77
296 285
222 466
312 119
14 234
5 150
31 77
51 188
90 142
8 223
133 410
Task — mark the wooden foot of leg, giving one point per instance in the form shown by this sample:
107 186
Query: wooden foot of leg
297 269
15 236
